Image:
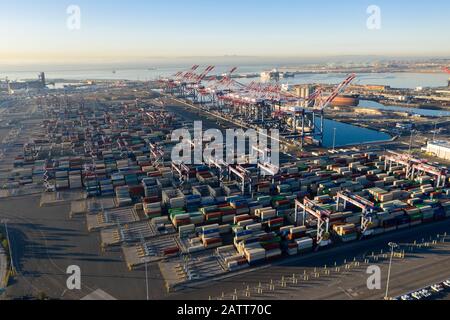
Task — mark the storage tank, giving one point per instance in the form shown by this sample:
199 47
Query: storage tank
346 101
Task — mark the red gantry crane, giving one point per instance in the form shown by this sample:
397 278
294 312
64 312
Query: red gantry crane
190 89
210 93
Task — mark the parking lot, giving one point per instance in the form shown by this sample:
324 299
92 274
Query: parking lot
437 291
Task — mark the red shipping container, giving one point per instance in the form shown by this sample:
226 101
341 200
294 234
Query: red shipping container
276 221
292 245
152 199
243 218
169 251
271 246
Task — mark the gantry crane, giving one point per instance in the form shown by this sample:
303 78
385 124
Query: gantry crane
8 85
308 116
190 88
257 102
183 173
172 85
221 166
322 216
245 178
441 174
415 167
368 208
210 94
157 154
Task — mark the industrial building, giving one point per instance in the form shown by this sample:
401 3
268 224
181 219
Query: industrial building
11 86
439 148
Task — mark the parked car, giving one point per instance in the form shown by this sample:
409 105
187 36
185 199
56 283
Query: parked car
417 295
437 288
426 293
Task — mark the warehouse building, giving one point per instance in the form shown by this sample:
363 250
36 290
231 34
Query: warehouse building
439 148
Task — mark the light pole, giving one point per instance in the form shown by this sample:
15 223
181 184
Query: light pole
411 142
414 134
434 132
5 221
146 278
146 270
334 139
393 246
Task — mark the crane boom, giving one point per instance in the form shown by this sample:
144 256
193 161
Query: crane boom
339 89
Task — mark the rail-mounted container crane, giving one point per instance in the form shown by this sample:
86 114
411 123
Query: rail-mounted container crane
368 208
416 167
322 217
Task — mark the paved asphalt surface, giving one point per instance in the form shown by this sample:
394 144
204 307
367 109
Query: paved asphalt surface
431 267
45 242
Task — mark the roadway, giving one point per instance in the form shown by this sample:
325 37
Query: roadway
434 268
45 242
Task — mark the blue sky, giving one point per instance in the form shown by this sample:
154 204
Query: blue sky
138 29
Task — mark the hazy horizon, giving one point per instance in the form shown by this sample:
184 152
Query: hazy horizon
139 31
224 60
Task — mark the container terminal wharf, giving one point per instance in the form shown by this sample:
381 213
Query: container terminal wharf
207 221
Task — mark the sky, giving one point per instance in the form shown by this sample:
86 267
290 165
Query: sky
133 30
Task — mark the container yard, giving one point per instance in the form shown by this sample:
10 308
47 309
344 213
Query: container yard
111 161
